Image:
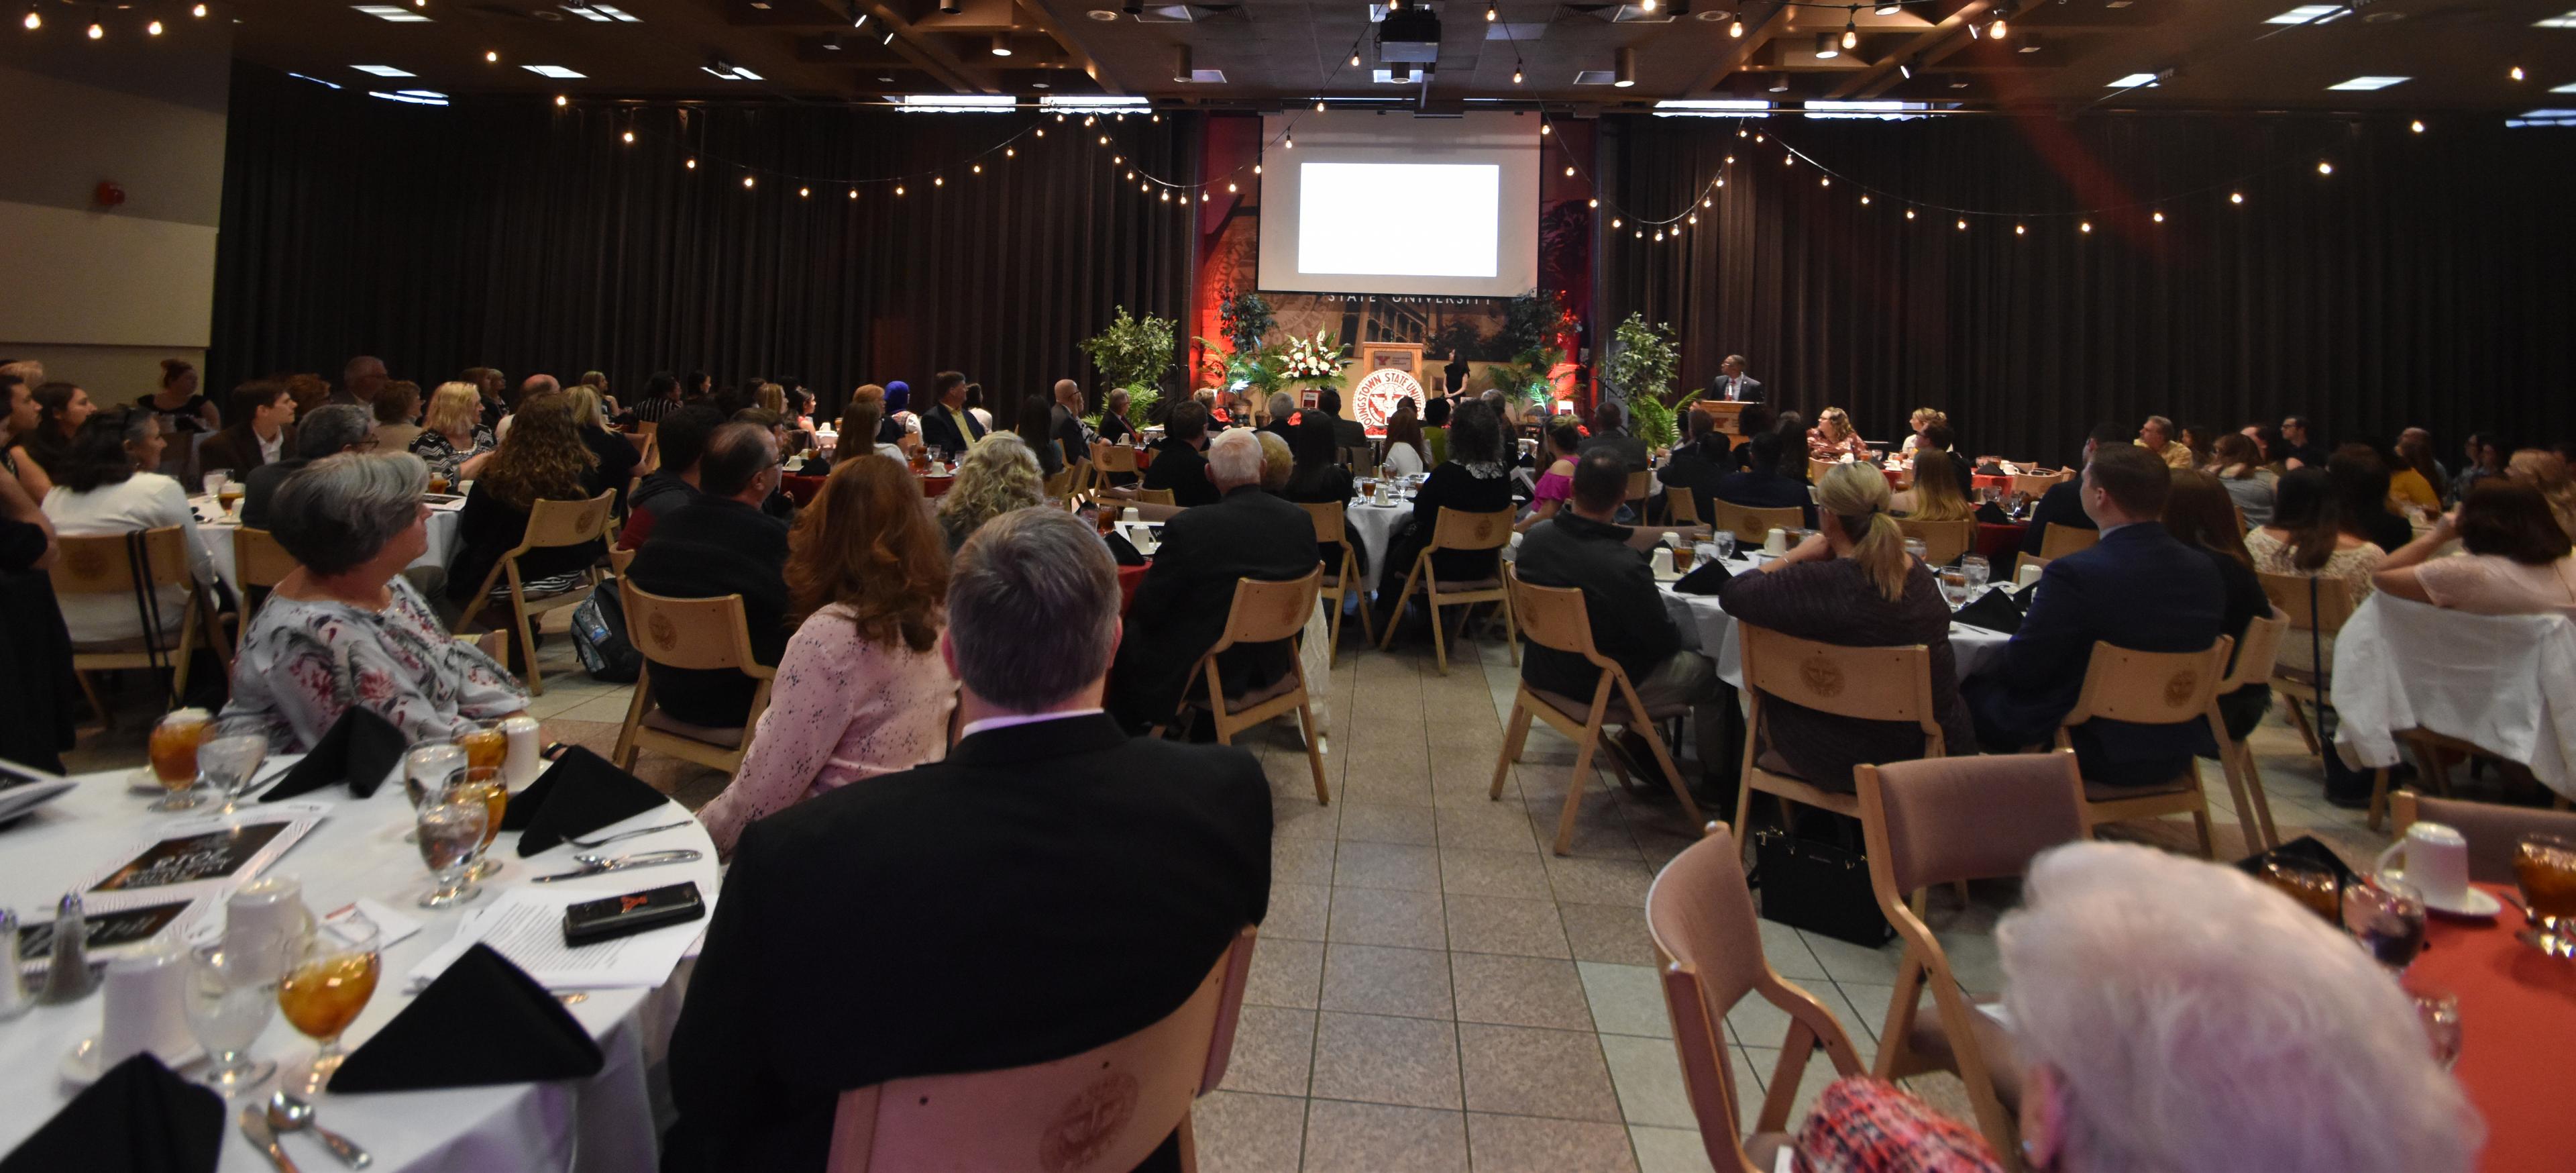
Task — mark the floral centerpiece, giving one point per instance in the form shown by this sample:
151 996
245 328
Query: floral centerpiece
1315 362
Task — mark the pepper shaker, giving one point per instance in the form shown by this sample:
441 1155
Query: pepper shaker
13 988
69 978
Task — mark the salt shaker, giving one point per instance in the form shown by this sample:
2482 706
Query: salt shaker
523 763
13 988
69 979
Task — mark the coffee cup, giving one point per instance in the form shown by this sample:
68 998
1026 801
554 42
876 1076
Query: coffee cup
2437 863
1673 538
146 1007
1776 542
267 915
1131 516
2029 574
1662 560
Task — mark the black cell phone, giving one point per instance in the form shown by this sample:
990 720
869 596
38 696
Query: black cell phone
593 921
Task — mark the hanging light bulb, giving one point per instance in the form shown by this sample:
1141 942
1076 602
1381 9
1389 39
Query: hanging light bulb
1490 15
977 169
1851 35
1355 60
97 31
691 164
153 28
1707 202
854 193
1288 142
1569 172
1010 152
1516 75
1827 181
1694 218
1864 201
2417 126
491 56
2085 227
34 21
1230 188
1256 168
628 137
1614 221
1646 5
898 189
2019 230
1963 225
2516 73
1909 213
199 12
746 183
803 192
1319 105
1997 29
562 101
2160 216
1736 30
1543 128
1659 236
2324 167
1596 202
2236 197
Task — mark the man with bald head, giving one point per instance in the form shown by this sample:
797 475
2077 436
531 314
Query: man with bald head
532 385
360 381
1065 422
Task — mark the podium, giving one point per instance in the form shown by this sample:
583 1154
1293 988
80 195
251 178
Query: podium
1727 414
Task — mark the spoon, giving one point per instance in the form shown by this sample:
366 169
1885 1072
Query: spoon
287 1113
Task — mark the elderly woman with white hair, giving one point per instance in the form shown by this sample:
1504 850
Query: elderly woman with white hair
344 628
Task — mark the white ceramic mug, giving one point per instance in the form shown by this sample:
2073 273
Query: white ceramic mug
2029 574
1777 542
1131 516
1662 560
146 1006
2437 863
268 915
522 764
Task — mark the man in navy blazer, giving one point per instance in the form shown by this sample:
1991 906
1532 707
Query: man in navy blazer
2062 504
2137 588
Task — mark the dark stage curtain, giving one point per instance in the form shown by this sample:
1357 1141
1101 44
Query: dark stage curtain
517 235
2426 282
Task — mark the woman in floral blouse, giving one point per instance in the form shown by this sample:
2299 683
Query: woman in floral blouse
452 436
1833 438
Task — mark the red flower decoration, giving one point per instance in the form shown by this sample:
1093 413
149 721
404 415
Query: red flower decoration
1582 431
1296 419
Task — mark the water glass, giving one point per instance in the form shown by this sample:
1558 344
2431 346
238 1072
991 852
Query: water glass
1724 540
2440 1011
330 980
450 833
229 763
216 479
1979 572
231 994
1954 586
2387 916
1915 548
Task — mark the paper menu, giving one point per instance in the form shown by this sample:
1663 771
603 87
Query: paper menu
526 926
188 858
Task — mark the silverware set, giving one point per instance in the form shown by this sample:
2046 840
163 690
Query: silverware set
593 865
287 1113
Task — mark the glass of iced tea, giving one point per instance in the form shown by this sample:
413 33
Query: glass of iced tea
2309 883
332 977
2545 868
484 784
173 750
230 498
485 745
452 824
437 482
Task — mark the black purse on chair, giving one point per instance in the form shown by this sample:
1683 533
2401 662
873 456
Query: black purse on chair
1819 887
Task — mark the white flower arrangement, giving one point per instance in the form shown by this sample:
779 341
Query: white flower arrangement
1314 359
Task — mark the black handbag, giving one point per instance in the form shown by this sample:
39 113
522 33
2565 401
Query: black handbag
1819 887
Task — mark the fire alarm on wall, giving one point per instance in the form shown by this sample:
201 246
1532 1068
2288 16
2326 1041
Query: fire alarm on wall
108 194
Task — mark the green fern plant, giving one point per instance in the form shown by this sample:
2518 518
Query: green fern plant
1132 353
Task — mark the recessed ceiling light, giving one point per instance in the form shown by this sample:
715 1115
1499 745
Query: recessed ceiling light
415 97
2311 14
602 13
384 71
555 71
2133 81
2566 21
2366 83
392 13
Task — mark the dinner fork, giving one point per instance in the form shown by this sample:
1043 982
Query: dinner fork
605 840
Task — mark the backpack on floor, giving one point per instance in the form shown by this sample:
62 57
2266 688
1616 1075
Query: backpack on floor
599 638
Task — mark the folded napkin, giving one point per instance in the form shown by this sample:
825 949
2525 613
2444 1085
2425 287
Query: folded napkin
361 749
577 795
1995 610
482 1022
1123 550
2305 847
138 1118
1705 578
1989 513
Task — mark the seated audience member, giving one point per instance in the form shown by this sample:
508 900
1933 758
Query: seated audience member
1047 842
311 393
542 460
1563 445
2546 471
2517 560
859 420
397 409
1277 464
661 397
2063 503
977 406
1347 433
530 387
1854 585
718 544
1704 458
2267 440
1181 606
900 421
453 438
2173 1014
2299 448
345 628
1435 429
946 425
2137 588
1178 465
2360 480
779 505
1922 418
1314 476
182 409
681 441
1064 422
2157 437
61 409
264 432
1768 483
2238 464
997 476
1406 454
38 689
2199 514
2202 440
1475 480
19 418
361 379
97 491
2485 455
617 454
330 430
1585 548
1934 495
147 438
1755 420
1833 437
1037 432
2306 537
1609 430
1114 428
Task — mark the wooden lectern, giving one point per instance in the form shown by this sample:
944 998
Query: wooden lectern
1725 412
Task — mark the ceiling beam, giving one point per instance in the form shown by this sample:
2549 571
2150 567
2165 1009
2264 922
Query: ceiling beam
1077 47
1757 33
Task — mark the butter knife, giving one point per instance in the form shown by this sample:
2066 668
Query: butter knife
255 1127
593 866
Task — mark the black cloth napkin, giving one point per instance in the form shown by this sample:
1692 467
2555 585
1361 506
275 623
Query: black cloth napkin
138 1118
361 749
483 1022
1705 578
1123 550
2305 847
577 795
1989 513
1995 610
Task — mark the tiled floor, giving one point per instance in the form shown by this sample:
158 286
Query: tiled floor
1433 990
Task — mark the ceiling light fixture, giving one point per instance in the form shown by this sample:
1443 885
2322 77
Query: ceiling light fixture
153 28
491 57
1851 34
1624 69
2159 217
2516 74
628 137
199 12
561 101
97 31
34 19
1997 29
2325 167
383 70
1888 9
691 164
553 71
1906 69
2236 197
2367 83
1826 50
1735 30
1001 44
1646 5
2417 126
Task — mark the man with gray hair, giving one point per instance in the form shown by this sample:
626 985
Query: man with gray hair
904 916
333 429
360 380
1182 605
2157 436
1065 424
719 544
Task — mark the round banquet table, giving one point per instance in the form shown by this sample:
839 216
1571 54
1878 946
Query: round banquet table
217 537
2517 1024
800 489
1706 628
1374 526
2000 539
602 1123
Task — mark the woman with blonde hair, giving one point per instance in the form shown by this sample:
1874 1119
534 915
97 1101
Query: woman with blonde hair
616 454
543 460
1833 438
999 475
452 436
2546 471
1855 586
1935 494
1923 417
861 689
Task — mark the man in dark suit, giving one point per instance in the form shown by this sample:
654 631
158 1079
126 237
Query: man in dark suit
1766 483
1051 887
2137 588
1064 422
1347 433
1732 385
1181 608
1178 465
329 430
262 431
1610 434
360 380
947 426
718 544
2063 503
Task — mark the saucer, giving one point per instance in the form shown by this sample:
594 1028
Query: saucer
80 1066
2474 905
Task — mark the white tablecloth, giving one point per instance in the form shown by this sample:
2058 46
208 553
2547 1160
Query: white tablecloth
218 538
2505 683
1709 630
604 1123
1374 526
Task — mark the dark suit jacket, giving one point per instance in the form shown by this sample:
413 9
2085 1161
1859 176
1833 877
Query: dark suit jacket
260 486
617 458
1048 888
2062 504
1349 433
950 433
1182 469
237 448
709 548
1748 389
1835 602
1181 607
1690 469
1629 448
1765 490
1629 623
1066 427
2137 589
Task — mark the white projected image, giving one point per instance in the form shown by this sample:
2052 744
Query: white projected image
1399 219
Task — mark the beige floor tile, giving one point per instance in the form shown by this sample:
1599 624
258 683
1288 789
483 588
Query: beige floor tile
1379 1059
1648 1076
1527 1071
1625 999
1301 861
1379 979
1620 882
1285 972
1299 816
1519 991
1518 873
1387 865
1485 826
1380 916
1297 911
1378 1138
1364 822
1273 1050
1605 932
1501 924
1242 1133
1387 788
1522 1144
1668 1150
1847 962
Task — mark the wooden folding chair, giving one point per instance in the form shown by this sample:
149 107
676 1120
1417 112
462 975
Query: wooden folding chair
1362 459
704 634
1680 508
1113 460
1751 525
105 564
1146 496
1264 612
1816 469
1699 914
2494 831
1948 821
1456 530
1861 684
1344 581
1056 487
2057 541
1943 541
2317 609
2033 484
1641 485
551 525
2148 688
1558 618
2254 661
1103 1110
259 562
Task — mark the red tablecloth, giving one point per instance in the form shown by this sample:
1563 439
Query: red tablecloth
935 486
2000 540
1144 459
1983 481
2517 1029
801 490
1129 578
